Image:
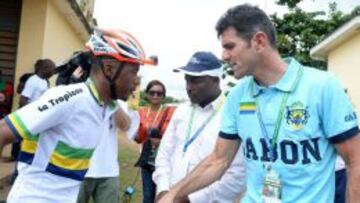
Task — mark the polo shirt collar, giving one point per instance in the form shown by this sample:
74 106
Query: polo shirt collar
286 83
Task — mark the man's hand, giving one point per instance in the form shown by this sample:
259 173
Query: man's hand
205 173
169 197
183 200
160 195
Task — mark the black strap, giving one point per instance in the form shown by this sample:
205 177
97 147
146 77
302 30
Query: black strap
111 81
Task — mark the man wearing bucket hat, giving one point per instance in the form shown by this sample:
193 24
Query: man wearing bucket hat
192 133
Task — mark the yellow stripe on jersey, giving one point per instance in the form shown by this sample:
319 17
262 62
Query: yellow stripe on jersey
29 146
67 157
19 128
71 164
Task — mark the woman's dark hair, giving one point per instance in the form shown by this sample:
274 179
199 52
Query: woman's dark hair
152 84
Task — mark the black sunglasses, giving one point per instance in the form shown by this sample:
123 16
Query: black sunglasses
158 93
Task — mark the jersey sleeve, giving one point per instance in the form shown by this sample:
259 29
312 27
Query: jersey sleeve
50 110
338 115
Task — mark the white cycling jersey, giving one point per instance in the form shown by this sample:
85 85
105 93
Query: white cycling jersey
62 129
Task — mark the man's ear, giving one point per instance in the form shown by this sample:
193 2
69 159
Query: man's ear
109 70
260 41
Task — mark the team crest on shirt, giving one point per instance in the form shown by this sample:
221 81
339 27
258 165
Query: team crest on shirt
297 115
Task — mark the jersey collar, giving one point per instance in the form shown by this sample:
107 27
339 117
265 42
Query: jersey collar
94 92
286 82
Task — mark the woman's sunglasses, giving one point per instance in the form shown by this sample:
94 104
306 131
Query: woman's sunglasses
158 93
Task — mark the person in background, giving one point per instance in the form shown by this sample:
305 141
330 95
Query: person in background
22 81
6 95
154 120
101 181
33 87
38 83
15 149
192 134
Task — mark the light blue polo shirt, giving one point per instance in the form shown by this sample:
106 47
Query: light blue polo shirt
318 114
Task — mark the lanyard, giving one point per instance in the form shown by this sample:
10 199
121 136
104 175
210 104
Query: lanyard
154 120
189 140
279 116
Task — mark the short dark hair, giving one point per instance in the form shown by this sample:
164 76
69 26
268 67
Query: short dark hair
24 77
153 83
247 20
41 63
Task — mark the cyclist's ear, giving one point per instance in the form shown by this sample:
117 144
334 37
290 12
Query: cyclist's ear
109 69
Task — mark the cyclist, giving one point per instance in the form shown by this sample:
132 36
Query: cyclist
67 122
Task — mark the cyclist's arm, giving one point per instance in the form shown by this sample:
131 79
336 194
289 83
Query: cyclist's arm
6 135
122 120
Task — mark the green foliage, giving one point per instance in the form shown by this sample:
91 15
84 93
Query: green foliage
145 101
226 70
298 31
289 3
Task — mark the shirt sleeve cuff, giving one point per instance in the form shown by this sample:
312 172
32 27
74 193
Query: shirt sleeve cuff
344 135
199 196
229 136
162 185
13 129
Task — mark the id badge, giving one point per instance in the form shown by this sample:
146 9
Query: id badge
271 192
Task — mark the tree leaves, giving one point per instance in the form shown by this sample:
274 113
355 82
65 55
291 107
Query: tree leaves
299 31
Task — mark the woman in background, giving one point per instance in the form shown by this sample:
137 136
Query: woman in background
154 120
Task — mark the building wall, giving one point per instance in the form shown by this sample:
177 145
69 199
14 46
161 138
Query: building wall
87 7
60 39
344 61
31 36
44 33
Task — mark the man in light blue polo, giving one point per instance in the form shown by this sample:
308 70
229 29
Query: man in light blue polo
292 121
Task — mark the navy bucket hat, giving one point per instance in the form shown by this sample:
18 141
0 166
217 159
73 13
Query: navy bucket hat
202 64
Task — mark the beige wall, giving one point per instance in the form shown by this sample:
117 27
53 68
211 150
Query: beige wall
60 39
44 33
344 61
31 36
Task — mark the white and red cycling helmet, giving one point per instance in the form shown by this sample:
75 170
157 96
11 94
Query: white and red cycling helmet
118 44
